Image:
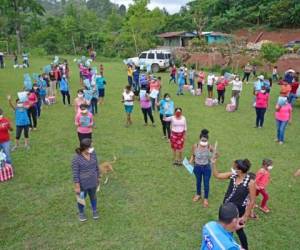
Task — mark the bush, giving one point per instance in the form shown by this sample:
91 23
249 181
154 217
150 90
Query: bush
215 68
38 52
271 52
256 61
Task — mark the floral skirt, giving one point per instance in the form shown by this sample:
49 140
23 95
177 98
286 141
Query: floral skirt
177 140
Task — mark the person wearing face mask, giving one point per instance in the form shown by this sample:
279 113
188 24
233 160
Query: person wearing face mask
79 100
261 105
64 89
201 156
237 86
241 191
178 135
22 122
84 122
283 116
262 180
218 235
86 176
5 127
166 109
32 110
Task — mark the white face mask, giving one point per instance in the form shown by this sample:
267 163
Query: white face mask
1 116
91 150
80 95
19 105
167 99
233 171
270 168
263 91
203 143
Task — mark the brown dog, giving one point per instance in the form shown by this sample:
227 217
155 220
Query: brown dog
106 167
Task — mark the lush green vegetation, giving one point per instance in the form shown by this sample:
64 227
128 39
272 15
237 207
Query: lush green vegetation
70 26
147 202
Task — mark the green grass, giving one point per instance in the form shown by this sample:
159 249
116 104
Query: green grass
147 202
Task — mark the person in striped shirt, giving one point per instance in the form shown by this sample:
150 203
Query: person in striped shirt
218 235
86 176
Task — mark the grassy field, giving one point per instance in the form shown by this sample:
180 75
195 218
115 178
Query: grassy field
147 202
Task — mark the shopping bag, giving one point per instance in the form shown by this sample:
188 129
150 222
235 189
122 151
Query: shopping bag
188 166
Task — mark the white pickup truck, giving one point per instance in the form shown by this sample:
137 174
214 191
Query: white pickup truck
156 59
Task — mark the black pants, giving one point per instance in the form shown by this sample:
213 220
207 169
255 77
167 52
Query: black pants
94 103
64 95
200 85
32 114
246 76
260 116
19 131
221 96
166 127
83 136
1 62
241 233
147 112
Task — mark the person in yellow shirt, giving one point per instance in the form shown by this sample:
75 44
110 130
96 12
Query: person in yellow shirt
130 74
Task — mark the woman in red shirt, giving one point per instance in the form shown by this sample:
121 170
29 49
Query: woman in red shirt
221 85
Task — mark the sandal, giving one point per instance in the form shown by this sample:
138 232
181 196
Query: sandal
196 198
265 209
205 203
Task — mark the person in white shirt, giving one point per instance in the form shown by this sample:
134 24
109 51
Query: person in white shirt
237 86
128 99
210 84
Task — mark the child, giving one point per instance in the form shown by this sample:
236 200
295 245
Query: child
128 99
84 122
22 122
262 180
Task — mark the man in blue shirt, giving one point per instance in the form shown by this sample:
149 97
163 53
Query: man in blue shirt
219 235
101 83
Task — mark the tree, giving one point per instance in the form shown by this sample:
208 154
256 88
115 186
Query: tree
17 11
271 52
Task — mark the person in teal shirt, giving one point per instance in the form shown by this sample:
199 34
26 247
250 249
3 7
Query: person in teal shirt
101 84
166 109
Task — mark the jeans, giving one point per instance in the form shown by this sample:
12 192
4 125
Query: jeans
205 172
292 98
260 116
172 78
192 83
147 112
221 96
94 104
265 196
153 103
180 89
281 126
64 95
5 146
166 127
93 198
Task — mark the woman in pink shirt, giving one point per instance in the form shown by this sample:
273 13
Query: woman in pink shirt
32 109
79 100
154 92
84 122
145 103
283 116
178 134
261 105
221 85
